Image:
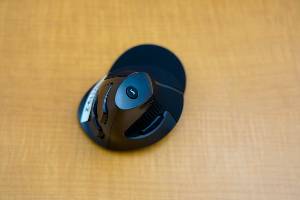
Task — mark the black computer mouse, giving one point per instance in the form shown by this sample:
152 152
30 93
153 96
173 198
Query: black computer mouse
138 102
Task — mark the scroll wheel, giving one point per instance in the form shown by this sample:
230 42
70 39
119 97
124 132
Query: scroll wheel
104 104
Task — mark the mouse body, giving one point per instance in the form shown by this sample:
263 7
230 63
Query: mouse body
138 102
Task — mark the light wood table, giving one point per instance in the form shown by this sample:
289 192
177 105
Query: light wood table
238 137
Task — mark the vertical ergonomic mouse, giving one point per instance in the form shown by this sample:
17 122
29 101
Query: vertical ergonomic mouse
138 102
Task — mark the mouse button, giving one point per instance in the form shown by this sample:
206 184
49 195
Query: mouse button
103 101
105 95
134 91
161 126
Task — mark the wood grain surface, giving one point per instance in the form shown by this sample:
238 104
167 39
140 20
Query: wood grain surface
238 137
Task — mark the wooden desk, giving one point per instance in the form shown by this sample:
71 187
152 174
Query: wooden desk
238 137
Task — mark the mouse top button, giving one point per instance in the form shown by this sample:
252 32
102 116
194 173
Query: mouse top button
134 91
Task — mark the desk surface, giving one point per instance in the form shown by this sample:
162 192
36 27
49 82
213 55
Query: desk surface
238 137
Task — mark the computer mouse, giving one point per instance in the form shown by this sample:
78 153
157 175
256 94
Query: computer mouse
138 102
